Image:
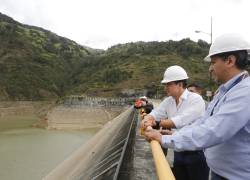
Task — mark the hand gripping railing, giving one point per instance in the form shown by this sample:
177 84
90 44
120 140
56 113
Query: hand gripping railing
162 167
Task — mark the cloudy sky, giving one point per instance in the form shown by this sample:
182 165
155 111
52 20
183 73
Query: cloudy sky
103 23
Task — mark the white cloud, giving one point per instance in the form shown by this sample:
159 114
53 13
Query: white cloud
100 24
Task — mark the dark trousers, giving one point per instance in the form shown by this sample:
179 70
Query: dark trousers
215 176
190 165
165 151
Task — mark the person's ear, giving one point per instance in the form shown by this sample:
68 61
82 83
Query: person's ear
231 60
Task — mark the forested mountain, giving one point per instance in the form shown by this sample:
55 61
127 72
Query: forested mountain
140 66
37 64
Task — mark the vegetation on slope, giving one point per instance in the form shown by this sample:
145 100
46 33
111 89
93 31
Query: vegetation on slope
140 66
37 64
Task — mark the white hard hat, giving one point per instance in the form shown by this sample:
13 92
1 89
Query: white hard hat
143 97
227 43
174 73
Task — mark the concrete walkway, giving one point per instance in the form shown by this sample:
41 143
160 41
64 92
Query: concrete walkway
143 163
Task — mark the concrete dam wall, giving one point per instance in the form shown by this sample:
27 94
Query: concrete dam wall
81 117
80 112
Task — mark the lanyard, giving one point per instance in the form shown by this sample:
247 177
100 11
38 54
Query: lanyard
243 76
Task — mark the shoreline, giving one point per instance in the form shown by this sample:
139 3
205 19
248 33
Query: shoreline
22 114
48 115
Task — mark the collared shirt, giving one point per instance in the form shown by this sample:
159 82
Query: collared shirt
191 106
224 131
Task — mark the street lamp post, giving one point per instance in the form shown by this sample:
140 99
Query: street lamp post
209 92
211 31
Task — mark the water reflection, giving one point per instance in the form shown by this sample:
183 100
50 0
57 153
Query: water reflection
32 153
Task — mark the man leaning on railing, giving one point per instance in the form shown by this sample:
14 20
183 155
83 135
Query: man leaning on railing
224 130
178 110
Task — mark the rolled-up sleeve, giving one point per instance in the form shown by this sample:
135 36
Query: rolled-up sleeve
160 112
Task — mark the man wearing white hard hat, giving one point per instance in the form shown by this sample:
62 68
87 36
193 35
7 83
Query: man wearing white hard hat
180 109
224 130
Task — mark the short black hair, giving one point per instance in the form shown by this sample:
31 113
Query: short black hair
183 81
197 86
242 58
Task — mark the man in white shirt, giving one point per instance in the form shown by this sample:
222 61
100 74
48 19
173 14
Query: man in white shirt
181 108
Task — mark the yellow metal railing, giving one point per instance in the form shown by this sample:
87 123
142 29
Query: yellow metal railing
162 167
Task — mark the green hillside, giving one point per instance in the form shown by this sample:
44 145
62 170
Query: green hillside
140 66
37 64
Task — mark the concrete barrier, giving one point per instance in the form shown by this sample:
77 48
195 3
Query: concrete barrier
81 161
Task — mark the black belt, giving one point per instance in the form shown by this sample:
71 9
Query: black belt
190 152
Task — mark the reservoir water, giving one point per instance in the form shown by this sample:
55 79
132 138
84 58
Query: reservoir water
31 153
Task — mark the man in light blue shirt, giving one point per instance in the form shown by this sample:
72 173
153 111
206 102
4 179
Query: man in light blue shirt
224 130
